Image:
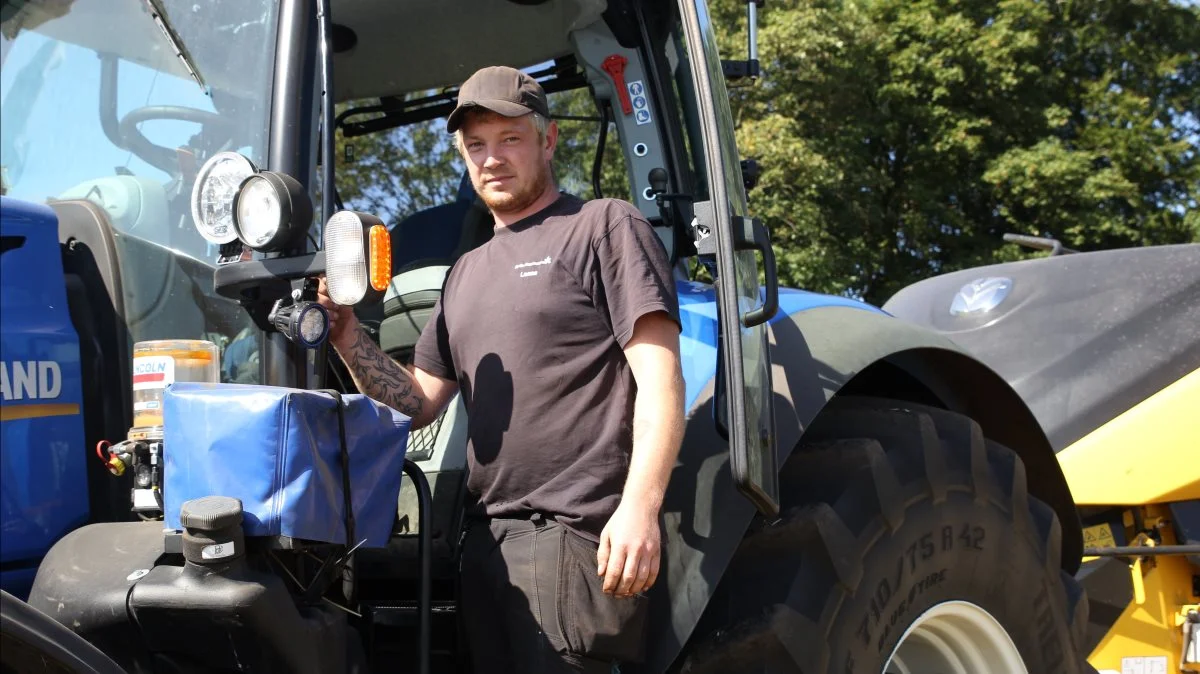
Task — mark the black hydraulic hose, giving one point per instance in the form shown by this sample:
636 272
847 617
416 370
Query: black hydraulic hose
347 493
1143 551
328 127
424 543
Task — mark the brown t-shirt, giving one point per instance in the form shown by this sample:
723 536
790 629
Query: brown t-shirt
532 325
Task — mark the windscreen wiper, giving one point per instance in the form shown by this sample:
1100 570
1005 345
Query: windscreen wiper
160 17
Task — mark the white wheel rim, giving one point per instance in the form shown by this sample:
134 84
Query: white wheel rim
955 637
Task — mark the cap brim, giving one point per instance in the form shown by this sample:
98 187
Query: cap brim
506 108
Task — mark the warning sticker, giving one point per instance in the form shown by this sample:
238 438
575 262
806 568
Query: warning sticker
218 551
641 106
153 372
1144 665
1099 536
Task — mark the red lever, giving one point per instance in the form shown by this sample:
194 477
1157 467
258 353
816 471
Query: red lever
615 66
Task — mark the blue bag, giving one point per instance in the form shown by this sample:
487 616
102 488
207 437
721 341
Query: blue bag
279 451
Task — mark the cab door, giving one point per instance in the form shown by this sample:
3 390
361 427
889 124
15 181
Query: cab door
738 242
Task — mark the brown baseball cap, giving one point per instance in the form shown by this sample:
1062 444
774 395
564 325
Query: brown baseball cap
503 90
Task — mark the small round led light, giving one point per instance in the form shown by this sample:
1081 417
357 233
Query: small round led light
305 323
312 325
213 193
259 213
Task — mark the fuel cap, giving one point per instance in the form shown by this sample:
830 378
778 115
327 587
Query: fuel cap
211 513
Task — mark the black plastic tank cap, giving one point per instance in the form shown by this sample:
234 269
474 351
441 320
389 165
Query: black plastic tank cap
211 513
212 530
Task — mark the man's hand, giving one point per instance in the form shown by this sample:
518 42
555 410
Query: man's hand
630 548
343 324
630 544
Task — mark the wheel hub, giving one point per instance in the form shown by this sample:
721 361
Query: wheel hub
955 637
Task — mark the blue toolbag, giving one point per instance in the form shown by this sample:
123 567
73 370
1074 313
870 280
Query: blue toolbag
280 451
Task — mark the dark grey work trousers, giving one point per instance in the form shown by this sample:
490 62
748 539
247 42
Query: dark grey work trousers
532 602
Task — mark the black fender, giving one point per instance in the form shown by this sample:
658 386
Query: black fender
816 354
33 641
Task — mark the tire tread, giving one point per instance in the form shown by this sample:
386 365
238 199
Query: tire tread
840 474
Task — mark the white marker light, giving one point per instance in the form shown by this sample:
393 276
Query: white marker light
345 258
358 258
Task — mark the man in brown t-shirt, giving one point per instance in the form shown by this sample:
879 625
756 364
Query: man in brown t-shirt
562 332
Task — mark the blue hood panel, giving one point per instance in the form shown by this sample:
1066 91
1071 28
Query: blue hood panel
698 314
43 477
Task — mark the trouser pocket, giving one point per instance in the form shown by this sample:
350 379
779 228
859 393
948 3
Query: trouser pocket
597 625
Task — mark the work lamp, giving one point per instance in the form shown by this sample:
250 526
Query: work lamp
304 323
271 211
358 258
213 194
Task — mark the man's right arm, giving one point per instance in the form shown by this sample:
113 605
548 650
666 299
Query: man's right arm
415 392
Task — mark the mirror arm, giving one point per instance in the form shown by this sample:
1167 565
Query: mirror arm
750 68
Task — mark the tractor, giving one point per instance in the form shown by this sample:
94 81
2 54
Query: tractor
1109 364
855 492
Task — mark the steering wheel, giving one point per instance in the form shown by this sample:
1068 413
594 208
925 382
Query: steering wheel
164 157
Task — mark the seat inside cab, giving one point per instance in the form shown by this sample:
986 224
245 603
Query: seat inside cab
424 246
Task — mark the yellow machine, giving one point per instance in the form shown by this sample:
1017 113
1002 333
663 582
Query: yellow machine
1142 470
1105 349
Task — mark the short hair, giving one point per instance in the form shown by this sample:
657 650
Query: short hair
540 124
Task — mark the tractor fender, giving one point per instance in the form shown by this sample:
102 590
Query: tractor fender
820 346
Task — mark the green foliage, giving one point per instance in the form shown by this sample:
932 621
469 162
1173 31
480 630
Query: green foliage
576 152
902 138
397 172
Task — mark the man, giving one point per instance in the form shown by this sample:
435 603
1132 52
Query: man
562 334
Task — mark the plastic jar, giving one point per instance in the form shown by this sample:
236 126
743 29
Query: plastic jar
158 363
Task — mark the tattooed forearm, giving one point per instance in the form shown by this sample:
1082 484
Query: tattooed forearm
381 378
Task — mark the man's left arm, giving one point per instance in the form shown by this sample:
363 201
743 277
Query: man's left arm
630 545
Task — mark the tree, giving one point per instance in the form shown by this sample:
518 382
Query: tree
396 172
902 138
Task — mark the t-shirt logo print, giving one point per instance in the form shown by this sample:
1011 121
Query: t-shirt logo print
535 263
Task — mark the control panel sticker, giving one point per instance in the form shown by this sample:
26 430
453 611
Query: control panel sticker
641 106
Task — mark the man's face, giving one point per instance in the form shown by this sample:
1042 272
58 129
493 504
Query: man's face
508 163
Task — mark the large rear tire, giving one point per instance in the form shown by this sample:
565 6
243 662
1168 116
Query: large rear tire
908 543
